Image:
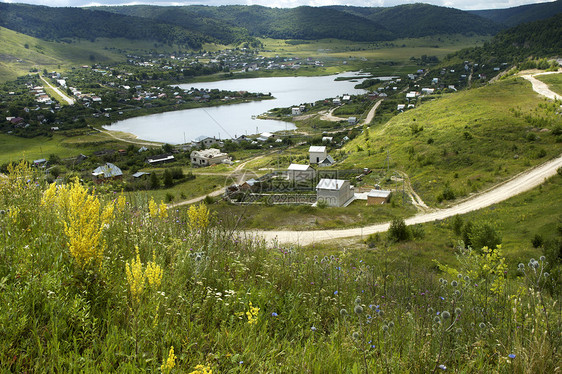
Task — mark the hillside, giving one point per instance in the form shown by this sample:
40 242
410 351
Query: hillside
417 20
464 142
521 14
66 23
259 21
20 53
535 39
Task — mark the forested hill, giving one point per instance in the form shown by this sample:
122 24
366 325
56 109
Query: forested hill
194 25
534 39
294 23
416 20
521 14
60 23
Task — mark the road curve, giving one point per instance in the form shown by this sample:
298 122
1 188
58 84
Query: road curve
514 186
541 87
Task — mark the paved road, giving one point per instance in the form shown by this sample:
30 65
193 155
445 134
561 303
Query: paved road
69 100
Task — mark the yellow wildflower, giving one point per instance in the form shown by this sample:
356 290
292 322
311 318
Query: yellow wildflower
201 369
170 361
152 208
135 277
198 217
162 210
252 314
121 201
153 273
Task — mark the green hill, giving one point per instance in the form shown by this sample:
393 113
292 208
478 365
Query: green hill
63 23
417 20
521 14
20 53
464 142
295 23
535 39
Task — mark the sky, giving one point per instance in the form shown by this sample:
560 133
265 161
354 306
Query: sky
459 4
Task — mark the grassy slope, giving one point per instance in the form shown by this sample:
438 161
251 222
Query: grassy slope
494 146
41 54
554 81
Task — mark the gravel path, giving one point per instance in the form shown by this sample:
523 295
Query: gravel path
541 87
69 100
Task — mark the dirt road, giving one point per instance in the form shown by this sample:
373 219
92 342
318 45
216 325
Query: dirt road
518 184
541 87
514 186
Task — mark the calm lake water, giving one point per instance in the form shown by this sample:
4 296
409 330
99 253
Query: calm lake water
229 121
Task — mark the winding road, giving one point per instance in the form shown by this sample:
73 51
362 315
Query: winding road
518 184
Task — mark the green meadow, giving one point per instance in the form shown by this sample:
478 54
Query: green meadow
457 144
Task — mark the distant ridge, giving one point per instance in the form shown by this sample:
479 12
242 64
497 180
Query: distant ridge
521 14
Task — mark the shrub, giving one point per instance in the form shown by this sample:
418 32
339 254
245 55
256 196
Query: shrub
537 241
398 231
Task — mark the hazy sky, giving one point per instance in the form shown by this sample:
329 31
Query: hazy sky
459 4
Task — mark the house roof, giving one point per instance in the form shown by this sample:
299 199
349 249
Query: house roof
330 184
201 138
160 158
208 153
379 193
140 174
317 148
107 171
328 160
299 167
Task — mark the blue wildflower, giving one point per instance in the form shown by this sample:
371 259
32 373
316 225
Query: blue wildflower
511 355
442 367
274 314
335 292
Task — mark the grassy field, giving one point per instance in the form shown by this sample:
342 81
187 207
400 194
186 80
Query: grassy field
463 142
114 285
70 145
554 82
305 217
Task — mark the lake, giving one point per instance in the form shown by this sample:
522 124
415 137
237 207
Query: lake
230 121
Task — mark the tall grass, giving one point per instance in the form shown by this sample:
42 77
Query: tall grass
224 302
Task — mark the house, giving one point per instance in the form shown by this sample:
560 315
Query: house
428 91
107 172
328 161
205 141
400 107
377 197
352 121
296 111
334 192
208 157
250 185
327 139
336 101
317 154
160 159
300 173
265 136
411 95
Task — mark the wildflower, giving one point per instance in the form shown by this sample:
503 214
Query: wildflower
357 300
458 331
313 328
482 325
153 274
335 292
252 314
355 335
121 201
442 367
198 217
542 259
384 328
436 319
391 324
511 355
201 369
454 283
274 314
343 312
358 309
446 314
170 361
458 310
135 277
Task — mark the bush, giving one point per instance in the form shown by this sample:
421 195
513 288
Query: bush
484 235
537 241
398 231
